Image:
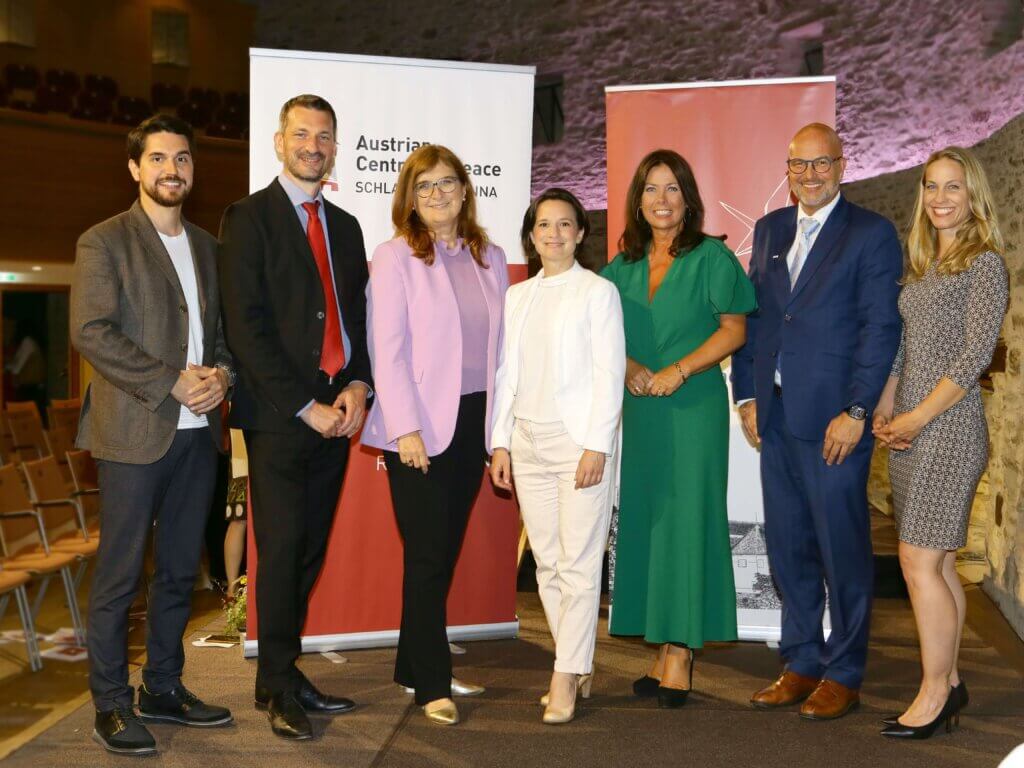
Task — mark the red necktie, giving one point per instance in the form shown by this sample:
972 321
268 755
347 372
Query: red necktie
332 353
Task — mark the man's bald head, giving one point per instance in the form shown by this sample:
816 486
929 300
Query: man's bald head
820 132
819 144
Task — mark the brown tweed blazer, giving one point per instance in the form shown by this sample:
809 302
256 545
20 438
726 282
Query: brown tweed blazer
130 321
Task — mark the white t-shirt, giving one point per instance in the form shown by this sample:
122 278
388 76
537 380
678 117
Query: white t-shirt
535 393
181 256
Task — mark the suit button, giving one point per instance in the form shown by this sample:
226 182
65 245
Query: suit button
316 353
787 318
183 309
184 347
319 315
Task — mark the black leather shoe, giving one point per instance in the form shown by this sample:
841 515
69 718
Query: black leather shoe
119 730
180 705
312 700
287 717
645 687
960 700
946 717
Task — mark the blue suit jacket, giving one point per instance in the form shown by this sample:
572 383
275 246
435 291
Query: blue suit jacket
836 333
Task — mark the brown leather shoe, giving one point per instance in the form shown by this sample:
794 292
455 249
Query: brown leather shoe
829 701
790 688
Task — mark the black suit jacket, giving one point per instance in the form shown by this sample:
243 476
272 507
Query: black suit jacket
273 305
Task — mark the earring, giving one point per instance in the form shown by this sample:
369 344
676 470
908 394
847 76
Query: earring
638 216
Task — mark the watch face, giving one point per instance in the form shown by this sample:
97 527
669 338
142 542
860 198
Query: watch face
857 412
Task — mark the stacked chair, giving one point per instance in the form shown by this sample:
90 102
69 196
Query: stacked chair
13 583
48 512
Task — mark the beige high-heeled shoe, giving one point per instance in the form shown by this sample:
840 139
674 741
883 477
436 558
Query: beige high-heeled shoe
583 683
558 716
442 712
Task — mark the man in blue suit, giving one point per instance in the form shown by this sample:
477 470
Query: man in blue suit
817 355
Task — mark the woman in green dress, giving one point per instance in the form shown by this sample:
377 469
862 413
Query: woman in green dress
684 298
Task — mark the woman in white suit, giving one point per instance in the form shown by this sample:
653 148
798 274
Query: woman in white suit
558 401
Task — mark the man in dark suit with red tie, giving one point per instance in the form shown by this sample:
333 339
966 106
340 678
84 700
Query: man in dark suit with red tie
293 277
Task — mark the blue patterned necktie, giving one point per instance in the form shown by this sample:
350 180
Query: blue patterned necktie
808 227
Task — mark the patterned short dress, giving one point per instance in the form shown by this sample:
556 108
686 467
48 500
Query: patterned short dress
950 327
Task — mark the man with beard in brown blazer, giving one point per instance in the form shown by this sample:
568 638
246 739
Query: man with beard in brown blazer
145 313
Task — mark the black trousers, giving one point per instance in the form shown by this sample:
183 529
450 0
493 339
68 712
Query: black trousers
432 511
174 492
295 479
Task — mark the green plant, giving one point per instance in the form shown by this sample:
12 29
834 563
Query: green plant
234 606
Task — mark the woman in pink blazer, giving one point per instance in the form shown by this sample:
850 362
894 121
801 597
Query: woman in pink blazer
435 303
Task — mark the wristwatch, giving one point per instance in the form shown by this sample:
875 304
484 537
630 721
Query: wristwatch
229 372
858 412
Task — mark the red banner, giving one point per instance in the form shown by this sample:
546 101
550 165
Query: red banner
360 587
733 134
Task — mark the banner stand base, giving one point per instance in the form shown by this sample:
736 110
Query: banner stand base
389 638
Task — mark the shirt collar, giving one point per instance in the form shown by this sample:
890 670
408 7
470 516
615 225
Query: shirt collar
296 195
820 215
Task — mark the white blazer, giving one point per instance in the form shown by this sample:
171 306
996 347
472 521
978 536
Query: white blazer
591 355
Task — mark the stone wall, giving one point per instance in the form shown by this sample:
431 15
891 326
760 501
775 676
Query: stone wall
995 547
911 73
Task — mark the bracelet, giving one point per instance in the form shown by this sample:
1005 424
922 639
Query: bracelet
680 369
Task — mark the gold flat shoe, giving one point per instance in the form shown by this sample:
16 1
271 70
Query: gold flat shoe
445 714
462 688
545 699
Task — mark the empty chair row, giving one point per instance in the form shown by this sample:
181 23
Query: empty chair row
46 529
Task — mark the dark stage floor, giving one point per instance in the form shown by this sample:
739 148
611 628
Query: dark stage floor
502 728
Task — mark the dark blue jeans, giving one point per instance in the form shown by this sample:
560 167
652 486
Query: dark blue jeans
170 497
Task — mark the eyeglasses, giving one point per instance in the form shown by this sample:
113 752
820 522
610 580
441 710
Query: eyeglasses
445 185
822 164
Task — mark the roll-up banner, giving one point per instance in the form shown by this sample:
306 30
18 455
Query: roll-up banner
386 108
735 135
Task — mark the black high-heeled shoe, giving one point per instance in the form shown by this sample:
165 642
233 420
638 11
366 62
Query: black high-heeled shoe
673 698
945 717
958 693
646 687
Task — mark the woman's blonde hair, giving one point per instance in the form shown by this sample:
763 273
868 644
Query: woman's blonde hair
978 233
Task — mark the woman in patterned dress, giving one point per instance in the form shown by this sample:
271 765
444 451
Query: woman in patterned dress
931 416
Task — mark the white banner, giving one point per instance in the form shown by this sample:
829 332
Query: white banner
386 108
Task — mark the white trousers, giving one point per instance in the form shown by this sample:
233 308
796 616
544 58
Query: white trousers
568 532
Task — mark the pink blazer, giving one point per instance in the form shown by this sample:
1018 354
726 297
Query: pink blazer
415 343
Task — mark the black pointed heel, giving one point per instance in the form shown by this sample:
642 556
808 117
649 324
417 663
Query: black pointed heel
959 695
962 698
673 698
945 717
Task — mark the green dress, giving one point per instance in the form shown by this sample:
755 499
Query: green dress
673 572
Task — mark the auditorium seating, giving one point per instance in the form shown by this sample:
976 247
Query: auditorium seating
98 98
63 515
13 583
64 414
131 110
26 549
26 427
